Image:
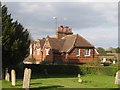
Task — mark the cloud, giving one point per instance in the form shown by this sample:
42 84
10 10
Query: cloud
96 21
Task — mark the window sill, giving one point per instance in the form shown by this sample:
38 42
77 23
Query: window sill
86 55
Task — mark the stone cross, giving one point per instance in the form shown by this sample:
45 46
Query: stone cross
26 79
117 77
79 79
13 77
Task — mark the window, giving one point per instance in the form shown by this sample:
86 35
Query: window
30 51
47 51
87 52
38 51
78 52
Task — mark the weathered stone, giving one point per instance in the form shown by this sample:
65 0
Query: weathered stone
13 77
7 77
26 79
117 77
79 79
6 71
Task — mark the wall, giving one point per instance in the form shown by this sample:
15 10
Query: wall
72 58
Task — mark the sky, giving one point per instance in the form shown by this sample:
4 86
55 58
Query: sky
95 21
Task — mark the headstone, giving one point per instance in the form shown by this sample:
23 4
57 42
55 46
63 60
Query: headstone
114 62
79 78
13 77
7 77
117 77
6 71
26 79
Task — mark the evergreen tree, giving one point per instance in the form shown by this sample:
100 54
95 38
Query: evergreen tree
15 40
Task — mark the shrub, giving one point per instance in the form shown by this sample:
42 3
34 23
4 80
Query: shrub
68 69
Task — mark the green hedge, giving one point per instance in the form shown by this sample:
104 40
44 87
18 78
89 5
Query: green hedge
98 70
65 69
72 69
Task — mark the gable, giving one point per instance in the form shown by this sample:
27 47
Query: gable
69 43
75 40
82 42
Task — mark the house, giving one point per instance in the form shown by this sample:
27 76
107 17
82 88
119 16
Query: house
66 47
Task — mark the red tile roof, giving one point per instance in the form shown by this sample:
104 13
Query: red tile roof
68 42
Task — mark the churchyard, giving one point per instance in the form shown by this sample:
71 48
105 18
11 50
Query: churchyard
51 79
66 81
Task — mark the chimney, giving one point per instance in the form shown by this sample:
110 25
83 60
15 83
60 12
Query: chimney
60 32
68 30
63 31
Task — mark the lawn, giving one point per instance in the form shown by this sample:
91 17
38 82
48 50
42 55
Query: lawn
65 81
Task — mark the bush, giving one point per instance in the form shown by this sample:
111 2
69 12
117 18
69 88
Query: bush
72 69
67 69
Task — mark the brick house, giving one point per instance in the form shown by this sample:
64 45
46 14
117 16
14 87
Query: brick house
66 47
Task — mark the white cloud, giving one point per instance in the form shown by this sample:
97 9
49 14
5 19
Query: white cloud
95 21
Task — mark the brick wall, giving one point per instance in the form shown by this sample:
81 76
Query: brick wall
72 58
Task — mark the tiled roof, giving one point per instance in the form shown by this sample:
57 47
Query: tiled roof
56 43
82 42
68 42
75 40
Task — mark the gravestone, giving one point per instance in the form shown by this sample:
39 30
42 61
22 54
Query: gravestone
6 71
114 62
117 77
79 78
26 79
7 78
13 77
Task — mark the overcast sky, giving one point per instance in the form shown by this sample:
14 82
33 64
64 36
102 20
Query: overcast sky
95 21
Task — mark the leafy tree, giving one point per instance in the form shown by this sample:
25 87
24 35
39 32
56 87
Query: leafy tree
15 40
118 50
101 50
47 36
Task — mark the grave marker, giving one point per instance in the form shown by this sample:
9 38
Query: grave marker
79 79
117 77
6 71
13 77
26 79
7 77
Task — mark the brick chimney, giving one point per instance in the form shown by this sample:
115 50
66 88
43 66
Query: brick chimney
63 31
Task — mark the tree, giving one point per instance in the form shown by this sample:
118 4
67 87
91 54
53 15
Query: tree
15 40
101 50
118 50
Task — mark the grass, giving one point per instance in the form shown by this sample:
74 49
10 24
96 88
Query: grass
65 81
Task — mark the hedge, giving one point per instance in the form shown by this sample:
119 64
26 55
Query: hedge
66 69
72 69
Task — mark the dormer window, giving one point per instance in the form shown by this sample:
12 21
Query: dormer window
47 51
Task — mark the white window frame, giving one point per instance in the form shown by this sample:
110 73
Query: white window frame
47 51
78 52
87 54
31 51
